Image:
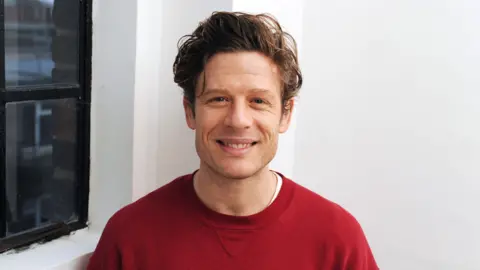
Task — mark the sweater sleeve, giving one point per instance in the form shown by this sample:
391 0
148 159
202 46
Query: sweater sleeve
107 254
360 257
358 254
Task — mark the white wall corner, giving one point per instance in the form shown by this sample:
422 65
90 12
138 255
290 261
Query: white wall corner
146 130
112 108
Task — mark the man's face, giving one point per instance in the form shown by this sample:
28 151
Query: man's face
238 115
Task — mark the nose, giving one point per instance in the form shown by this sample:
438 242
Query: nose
239 116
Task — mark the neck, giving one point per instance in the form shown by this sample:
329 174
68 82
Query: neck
237 197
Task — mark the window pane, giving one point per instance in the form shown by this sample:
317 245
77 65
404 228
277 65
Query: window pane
40 163
41 42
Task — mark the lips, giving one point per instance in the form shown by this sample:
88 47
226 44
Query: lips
236 146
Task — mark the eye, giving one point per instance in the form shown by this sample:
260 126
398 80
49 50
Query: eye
258 101
218 99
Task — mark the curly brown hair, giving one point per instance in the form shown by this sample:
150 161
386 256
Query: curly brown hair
235 32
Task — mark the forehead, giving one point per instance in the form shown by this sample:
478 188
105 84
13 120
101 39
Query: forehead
241 71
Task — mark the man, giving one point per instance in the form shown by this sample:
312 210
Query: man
240 75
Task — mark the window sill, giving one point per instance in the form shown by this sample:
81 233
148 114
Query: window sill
69 252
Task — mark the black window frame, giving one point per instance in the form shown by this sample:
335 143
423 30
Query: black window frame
82 93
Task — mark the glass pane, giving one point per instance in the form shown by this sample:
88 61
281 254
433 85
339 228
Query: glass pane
41 41
40 163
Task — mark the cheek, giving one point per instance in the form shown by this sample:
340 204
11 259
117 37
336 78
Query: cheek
269 127
206 123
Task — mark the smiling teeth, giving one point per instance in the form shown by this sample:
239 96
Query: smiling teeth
238 146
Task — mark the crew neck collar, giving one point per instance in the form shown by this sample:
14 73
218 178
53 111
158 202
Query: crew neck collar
255 221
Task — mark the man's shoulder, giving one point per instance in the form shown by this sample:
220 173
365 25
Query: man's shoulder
326 214
156 203
332 225
319 204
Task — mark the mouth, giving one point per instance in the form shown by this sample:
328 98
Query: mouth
236 147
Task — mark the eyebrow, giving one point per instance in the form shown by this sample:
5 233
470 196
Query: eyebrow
223 90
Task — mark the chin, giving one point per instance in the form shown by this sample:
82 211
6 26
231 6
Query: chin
237 170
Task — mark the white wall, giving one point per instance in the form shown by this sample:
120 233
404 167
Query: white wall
389 124
113 85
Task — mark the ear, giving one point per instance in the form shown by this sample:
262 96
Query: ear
189 114
287 112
